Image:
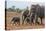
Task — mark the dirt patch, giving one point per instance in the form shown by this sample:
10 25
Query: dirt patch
10 15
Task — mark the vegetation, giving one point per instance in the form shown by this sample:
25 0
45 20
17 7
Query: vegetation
40 11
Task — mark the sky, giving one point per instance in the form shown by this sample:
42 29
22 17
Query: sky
22 4
18 4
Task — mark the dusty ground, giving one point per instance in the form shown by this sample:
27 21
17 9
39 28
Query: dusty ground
10 15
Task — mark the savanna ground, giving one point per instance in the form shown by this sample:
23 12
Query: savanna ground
10 15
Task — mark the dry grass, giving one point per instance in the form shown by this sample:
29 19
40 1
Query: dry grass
10 15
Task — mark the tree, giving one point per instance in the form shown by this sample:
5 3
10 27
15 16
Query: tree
13 8
9 9
18 10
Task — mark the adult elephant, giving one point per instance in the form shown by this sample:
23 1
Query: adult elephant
25 15
35 11
41 13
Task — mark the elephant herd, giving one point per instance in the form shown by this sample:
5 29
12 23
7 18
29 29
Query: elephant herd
28 16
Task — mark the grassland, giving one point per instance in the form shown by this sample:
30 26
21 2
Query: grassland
10 15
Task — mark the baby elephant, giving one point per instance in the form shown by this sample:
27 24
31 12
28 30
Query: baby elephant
16 20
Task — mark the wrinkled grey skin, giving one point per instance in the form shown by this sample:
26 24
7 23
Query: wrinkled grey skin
15 19
24 15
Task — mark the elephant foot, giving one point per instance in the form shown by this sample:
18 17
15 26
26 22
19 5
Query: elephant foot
41 24
37 23
22 23
31 23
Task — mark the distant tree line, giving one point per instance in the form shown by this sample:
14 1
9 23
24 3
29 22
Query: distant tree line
14 10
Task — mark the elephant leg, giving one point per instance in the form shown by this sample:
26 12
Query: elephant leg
31 20
41 20
23 19
36 19
19 22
